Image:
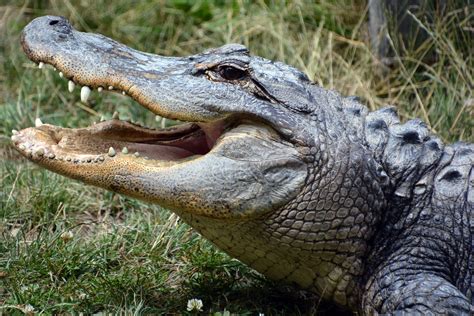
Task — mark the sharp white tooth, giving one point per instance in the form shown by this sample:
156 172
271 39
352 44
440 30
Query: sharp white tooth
85 93
71 85
111 88
124 93
38 122
61 74
102 118
163 123
14 132
111 152
116 116
100 89
40 65
124 150
157 118
54 68
136 154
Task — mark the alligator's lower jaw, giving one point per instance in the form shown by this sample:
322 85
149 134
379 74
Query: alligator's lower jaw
177 167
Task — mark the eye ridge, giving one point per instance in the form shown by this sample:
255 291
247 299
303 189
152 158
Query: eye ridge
231 73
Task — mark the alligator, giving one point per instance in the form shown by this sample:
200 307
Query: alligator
302 184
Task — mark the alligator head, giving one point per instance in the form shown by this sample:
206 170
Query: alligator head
268 166
207 166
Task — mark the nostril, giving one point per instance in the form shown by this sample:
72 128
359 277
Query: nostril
53 22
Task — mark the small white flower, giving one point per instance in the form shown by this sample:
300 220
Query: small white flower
28 309
67 235
194 304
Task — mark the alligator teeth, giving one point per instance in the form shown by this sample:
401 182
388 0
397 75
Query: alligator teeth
71 85
102 118
40 65
111 152
157 118
136 154
115 116
85 93
111 88
163 122
14 132
61 74
100 89
124 93
38 122
124 150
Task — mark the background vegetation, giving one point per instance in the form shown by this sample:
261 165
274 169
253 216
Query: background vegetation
69 248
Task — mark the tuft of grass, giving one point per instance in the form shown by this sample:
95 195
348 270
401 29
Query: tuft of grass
69 248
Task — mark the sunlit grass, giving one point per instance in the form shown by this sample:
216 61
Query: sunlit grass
127 256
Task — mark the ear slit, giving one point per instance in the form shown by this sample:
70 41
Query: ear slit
262 93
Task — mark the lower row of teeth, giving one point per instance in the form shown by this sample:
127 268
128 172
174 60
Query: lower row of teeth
40 152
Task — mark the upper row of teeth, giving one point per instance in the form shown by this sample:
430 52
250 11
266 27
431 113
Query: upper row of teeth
85 90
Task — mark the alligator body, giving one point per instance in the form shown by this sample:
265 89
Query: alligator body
302 184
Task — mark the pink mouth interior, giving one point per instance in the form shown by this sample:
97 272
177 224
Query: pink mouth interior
168 144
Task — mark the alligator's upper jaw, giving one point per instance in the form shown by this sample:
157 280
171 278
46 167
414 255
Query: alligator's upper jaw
218 166
97 62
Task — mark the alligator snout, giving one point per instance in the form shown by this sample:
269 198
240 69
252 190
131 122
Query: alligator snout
45 35
48 25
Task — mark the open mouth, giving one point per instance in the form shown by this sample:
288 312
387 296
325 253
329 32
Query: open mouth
111 138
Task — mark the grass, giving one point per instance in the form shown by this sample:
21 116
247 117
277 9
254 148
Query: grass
126 256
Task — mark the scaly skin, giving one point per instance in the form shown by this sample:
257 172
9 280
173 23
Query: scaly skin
298 182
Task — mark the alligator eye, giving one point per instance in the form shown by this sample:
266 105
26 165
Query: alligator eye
231 73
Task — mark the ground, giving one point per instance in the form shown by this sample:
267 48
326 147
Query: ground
69 248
